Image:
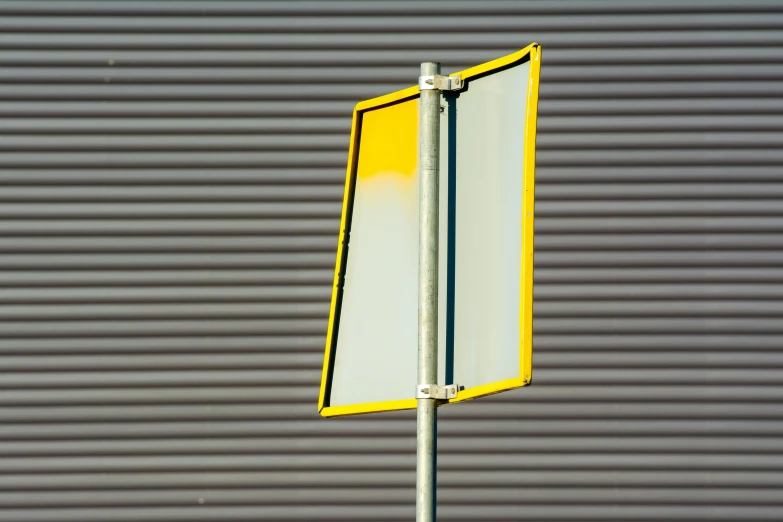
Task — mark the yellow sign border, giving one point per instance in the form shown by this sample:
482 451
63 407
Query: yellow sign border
533 51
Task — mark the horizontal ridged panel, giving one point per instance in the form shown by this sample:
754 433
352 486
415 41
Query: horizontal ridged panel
360 511
171 179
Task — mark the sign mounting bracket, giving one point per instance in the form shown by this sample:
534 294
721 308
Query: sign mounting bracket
440 83
436 391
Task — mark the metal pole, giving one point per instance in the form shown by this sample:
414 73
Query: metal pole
426 411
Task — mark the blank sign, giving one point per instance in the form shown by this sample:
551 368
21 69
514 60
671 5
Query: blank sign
487 147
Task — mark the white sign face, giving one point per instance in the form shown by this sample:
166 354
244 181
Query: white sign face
486 244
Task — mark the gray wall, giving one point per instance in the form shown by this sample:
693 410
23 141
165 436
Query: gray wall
171 183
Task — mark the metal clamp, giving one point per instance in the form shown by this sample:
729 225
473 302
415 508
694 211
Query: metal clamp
436 391
440 83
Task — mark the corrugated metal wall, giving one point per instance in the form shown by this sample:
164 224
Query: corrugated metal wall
171 182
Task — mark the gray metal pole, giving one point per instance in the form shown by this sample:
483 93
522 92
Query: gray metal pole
426 411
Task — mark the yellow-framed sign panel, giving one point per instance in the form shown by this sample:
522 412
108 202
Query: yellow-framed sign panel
486 244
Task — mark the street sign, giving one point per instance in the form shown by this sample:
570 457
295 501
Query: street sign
487 160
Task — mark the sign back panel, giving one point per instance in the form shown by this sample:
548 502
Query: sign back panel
486 244
487 134
373 326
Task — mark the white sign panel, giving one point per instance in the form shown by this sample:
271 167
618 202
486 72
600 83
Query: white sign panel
486 244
